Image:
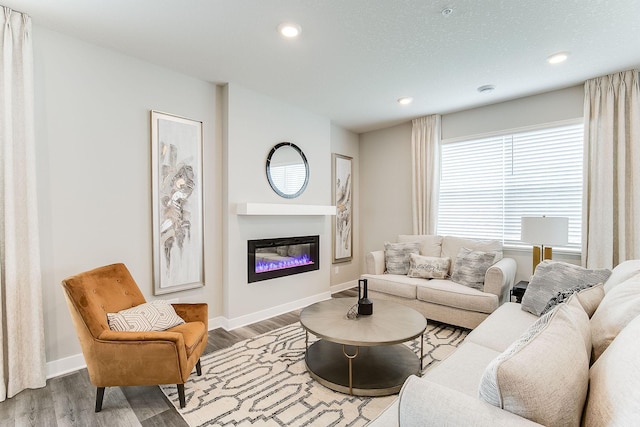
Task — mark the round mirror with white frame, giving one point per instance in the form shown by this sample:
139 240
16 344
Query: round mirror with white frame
287 170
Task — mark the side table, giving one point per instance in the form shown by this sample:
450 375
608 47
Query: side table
519 289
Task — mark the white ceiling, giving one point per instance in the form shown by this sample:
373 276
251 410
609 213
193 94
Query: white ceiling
355 58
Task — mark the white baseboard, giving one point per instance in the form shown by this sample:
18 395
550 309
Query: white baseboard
217 322
248 319
66 365
56 368
343 286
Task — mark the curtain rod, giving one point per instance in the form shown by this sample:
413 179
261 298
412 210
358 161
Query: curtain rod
13 10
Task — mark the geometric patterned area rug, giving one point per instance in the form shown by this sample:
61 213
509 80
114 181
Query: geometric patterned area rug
263 381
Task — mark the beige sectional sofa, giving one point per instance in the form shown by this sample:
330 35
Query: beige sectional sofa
443 300
517 369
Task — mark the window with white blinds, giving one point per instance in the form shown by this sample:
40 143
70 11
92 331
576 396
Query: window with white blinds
488 184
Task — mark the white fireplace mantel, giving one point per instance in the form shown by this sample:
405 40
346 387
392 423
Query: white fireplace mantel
283 209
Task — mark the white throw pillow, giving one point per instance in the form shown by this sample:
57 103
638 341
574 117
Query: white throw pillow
427 267
614 394
396 256
544 375
156 315
619 306
552 277
471 266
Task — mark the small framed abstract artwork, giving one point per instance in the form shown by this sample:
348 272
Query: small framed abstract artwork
177 203
343 200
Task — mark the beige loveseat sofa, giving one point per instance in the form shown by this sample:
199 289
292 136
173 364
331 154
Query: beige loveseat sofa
564 368
443 299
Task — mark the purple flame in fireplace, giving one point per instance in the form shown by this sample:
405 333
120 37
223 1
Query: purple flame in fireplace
262 266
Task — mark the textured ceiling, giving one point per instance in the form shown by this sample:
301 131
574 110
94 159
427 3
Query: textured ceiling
355 58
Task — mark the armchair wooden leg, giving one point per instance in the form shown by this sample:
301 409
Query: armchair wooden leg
181 395
198 368
99 397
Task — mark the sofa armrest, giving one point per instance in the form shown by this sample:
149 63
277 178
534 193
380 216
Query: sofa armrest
375 262
500 277
422 402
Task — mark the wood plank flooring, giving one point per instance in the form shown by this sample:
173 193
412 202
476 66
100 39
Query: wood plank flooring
69 400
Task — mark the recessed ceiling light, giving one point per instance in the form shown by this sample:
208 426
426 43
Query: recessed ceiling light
447 11
557 58
289 30
405 100
486 89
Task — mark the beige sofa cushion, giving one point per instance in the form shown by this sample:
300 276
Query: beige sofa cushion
544 375
614 395
618 307
463 369
430 244
503 327
425 403
393 284
451 294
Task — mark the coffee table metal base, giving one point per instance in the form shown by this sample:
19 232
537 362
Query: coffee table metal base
376 370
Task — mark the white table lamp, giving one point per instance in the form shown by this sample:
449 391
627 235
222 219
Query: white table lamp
544 232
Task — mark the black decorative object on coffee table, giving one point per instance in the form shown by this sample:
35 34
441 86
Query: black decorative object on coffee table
365 305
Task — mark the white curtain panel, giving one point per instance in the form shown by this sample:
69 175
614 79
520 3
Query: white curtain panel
425 172
611 199
22 358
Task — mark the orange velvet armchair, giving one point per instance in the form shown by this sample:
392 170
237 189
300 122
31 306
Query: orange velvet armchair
131 358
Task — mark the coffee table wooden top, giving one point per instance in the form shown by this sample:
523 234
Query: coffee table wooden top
390 323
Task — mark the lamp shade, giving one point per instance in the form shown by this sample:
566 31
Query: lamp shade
545 230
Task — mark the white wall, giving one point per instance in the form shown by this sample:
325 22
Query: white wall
346 143
559 105
93 172
385 163
385 187
254 124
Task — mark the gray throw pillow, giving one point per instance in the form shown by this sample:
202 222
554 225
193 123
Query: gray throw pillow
396 256
552 277
471 267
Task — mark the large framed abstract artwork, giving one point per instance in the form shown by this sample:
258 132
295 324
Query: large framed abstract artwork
176 177
343 200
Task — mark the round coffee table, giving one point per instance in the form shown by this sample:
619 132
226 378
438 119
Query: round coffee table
362 356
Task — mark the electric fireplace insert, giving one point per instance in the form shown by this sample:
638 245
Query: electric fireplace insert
271 258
